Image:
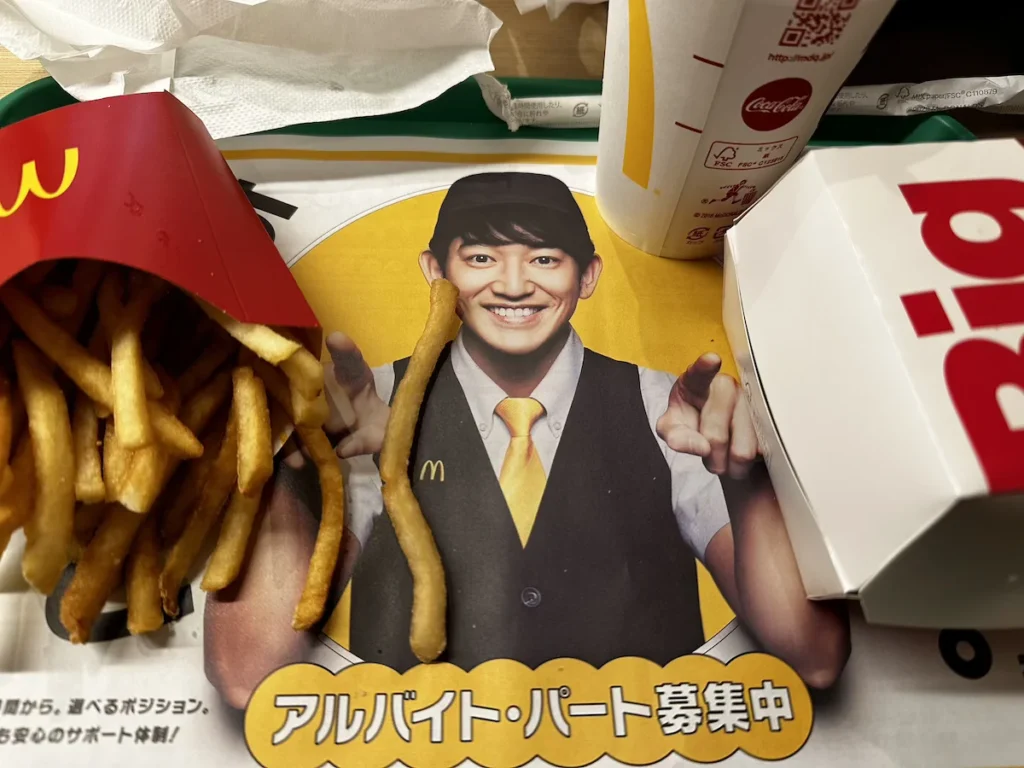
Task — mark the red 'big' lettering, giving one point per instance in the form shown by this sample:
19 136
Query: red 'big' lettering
940 201
976 369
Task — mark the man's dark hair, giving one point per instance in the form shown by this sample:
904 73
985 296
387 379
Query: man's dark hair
528 225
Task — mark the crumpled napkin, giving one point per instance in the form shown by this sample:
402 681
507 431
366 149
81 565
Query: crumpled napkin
555 7
251 65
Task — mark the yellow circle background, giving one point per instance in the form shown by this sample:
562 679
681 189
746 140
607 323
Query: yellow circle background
364 280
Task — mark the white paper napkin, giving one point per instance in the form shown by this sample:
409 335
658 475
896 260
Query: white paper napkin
555 7
251 65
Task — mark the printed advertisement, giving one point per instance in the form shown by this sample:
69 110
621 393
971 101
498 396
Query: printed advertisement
621 588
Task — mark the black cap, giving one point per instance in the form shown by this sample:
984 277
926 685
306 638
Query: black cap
488 190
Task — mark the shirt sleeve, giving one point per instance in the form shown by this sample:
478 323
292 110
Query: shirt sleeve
697 498
365 500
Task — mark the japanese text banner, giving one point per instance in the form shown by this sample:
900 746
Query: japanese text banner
502 713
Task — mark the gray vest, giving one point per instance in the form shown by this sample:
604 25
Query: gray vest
605 573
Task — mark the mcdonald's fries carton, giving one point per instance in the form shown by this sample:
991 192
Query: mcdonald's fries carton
875 306
137 180
708 102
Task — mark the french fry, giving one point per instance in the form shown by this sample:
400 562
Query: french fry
84 281
98 571
265 342
142 581
196 413
219 482
204 403
116 461
88 518
275 382
304 372
59 301
149 467
17 501
175 437
6 420
50 528
6 479
309 413
91 375
113 313
235 530
332 526
89 486
427 635
255 452
100 349
204 366
189 486
127 367
303 412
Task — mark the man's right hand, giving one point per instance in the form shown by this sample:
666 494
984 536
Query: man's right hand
358 416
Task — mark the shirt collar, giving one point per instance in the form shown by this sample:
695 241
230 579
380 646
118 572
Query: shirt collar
555 391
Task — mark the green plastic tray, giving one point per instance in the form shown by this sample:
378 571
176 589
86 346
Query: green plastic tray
460 113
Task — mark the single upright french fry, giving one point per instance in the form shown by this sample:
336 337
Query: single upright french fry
142 580
50 528
98 571
89 486
255 450
219 482
427 635
127 368
332 527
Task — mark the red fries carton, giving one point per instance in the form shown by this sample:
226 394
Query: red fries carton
137 180
875 303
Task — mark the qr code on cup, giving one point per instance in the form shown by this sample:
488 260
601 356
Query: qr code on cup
816 23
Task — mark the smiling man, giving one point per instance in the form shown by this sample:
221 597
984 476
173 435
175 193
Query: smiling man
570 494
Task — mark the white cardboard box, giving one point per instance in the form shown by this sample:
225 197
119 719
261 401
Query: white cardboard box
875 304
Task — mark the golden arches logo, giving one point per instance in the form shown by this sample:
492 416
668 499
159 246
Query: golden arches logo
30 184
436 468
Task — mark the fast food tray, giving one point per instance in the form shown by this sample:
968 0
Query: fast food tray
460 113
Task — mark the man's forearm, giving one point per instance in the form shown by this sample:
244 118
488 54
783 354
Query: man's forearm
813 637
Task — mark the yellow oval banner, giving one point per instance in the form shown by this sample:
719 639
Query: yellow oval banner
502 714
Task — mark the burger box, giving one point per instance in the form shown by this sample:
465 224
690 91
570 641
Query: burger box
874 299
138 181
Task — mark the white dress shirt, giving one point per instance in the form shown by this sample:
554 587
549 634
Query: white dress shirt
697 498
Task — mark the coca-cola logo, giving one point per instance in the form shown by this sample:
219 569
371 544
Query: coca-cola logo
777 103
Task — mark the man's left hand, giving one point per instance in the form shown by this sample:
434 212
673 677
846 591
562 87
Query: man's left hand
707 416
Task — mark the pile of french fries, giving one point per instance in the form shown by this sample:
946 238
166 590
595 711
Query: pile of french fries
135 418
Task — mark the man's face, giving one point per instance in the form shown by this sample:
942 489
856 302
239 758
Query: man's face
514 297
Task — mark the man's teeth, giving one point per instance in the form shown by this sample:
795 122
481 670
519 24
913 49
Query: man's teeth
514 311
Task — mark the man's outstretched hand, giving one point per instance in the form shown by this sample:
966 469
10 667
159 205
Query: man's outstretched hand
358 430
707 416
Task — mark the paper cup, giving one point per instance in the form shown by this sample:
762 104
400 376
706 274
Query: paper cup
707 103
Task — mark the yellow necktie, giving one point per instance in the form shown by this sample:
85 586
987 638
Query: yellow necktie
522 477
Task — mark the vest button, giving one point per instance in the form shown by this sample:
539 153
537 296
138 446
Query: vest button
530 597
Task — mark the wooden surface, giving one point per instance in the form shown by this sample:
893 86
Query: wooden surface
526 46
